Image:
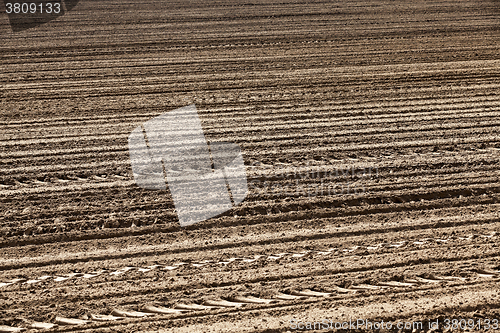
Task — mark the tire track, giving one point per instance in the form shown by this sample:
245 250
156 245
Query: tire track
373 248
299 297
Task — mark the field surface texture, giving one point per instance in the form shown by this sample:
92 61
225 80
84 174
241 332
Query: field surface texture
370 134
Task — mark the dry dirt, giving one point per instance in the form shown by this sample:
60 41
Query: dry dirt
370 134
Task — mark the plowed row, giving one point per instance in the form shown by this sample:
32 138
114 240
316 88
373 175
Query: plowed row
370 136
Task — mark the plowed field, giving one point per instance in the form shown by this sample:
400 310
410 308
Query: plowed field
370 133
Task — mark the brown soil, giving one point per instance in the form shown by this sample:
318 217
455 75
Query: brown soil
370 135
